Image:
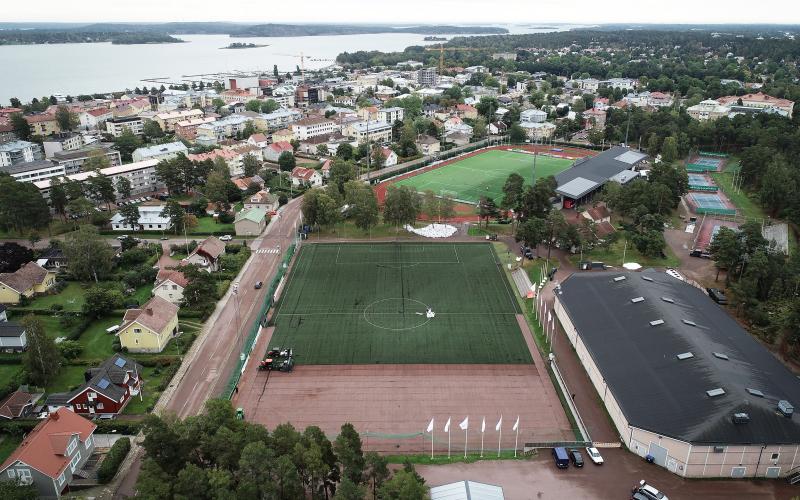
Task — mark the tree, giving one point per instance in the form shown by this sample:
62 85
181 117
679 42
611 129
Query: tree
378 158
286 161
363 204
401 206
377 471
42 359
649 242
21 205
176 214
15 490
532 232
322 150
479 128
269 106
250 165
101 188
217 189
253 105
123 187
65 118
344 151
516 133
328 213
126 144
726 250
341 172
669 150
487 208
15 103
101 300
58 196
21 127
555 223
90 256
152 130
13 256
512 192
167 172
348 449
130 216
404 485
97 160
348 490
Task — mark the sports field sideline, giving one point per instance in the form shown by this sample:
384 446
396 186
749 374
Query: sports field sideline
368 303
484 174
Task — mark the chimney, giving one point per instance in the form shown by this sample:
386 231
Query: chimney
54 415
149 311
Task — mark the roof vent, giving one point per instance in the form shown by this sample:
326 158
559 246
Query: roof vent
657 322
685 355
619 278
755 392
741 418
647 278
721 356
636 300
786 408
667 299
689 322
715 392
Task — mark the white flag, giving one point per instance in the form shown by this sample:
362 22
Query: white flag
483 425
465 424
516 424
447 426
430 427
499 424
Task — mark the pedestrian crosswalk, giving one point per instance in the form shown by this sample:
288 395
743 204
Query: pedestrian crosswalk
269 250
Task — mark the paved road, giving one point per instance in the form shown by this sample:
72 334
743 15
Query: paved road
208 367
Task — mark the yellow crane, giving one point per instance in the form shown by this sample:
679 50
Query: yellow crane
441 48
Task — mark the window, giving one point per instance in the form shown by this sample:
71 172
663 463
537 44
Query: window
12 473
88 442
775 456
73 464
137 330
99 407
72 445
24 476
62 478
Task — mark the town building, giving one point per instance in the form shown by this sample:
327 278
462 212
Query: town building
428 145
52 453
538 131
274 151
16 152
278 119
106 390
250 221
160 152
533 116
142 176
232 158
117 126
428 77
94 119
43 124
372 131
263 200
681 380
505 56
150 327
587 175
708 110
65 141
187 129
73 161
207 254
390 115
759 101
283 135
150 219
27 281
209 134
169 285
302 176
167 121
312 127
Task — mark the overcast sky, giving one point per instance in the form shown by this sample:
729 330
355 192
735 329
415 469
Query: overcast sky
407 11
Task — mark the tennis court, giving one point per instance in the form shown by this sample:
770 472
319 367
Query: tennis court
704 164
399 303
700 182
484 174
709 229
710 203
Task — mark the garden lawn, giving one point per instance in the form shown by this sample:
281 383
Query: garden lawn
612 256
69 377
97 343
484 174
8 444
137 405
209 225
71 298
7 372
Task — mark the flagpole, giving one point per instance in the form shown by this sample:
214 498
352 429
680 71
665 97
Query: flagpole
448 441
482 444
466 439
431 444
516 440
499 439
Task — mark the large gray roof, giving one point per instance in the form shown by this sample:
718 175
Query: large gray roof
661 393
599 169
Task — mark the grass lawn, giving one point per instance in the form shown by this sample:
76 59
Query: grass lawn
71 297
348 229
8 444
209 225
69 377
96 341
612 256
364 304
142 294
484 174
7 372
475 230
137 405
745 205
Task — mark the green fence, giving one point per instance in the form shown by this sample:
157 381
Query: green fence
713 155
702 187
249 341
715 211
697 167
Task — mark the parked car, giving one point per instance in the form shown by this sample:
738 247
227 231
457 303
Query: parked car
225 237
123 237
560 457
594 455
717 296
526 251
491 237
647 492
259 285
576 458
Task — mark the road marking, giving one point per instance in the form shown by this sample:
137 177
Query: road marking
268 250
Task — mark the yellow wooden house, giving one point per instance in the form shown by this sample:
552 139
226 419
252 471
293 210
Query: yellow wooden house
149 328
26 281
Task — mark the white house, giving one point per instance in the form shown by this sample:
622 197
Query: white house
302 176
533 116
150 219
160 152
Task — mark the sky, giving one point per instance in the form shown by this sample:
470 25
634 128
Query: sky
408 11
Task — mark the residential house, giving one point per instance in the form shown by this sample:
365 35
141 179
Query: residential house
65 141
117 126
43 124
326 168
94 119
160 152
207 254
274 151
263 200
497 128
457 138
169 285
26 281
251 221
258 140
106 389
51 454
53 259
427 145
187 129
594 118
344 100
467 111
150 219
302 176
12 335
283 135
150 327
18 404
389 156
456 124
597 214
167 121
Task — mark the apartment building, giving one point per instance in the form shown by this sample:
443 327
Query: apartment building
73 160
391 115
428 77
372 131
312 127
167 121
62 142
15 152
133 124
160 151
187 129
211 133
43 124
142 176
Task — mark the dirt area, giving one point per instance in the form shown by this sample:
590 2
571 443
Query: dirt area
391 405
538 478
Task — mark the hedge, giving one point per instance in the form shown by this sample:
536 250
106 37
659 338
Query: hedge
126 427
168 374
158 361
109 467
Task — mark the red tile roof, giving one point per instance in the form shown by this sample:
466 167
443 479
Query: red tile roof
173 275
759 97
14 404
25 277
155 314
44 448
40 118
303 173
281 147
258 138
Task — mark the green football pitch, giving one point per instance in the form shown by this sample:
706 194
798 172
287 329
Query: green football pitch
368 303
484 174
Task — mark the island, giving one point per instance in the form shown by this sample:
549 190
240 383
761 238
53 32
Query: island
238 45
434 39
41 36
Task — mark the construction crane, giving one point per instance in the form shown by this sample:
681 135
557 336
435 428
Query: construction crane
441 48
303 58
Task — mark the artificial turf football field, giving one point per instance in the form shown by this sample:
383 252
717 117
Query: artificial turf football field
484 174
361 303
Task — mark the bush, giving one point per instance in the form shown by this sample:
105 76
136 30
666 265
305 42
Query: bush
168 374
159 361
226 218
127 427
108 468
70 349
